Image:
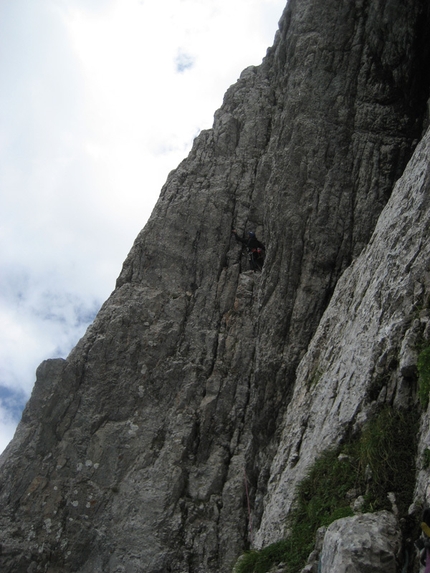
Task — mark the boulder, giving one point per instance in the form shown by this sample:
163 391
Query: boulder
367 543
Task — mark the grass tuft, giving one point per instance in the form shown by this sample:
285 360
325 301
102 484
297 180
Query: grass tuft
423 366
381 460
426 459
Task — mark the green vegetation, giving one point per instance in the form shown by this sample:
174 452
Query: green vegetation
426 459
388 446
381 460
315 377
423 366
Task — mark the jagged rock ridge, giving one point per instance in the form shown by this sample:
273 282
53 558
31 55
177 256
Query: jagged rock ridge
132 453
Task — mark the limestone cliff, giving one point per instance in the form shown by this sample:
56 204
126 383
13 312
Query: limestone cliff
133 454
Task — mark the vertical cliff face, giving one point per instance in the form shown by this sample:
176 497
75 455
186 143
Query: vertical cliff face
364 353
132 454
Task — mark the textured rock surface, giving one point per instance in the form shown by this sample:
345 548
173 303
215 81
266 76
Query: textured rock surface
377 310
368 542
132 454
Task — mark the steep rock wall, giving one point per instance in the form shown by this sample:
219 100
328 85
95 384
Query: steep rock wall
132 453
369 333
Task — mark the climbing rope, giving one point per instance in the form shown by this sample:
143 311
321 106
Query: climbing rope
249 506
406 565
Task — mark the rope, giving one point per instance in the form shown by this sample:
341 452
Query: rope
249 506
406 565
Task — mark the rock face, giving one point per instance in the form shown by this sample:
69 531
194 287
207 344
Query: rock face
362 543
187 401
375 317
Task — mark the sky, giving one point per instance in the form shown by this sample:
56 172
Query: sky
99 101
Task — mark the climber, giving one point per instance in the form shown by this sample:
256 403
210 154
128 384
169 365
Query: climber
255 249
423 543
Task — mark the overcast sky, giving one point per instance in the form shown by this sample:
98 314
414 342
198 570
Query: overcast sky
99 100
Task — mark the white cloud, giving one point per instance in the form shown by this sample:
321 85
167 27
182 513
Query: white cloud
9 412
100 99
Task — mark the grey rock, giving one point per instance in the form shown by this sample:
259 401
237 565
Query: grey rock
408 355
313 565
358 504
361 332
199 376
368 542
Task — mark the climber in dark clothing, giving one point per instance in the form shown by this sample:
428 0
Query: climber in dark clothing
256 250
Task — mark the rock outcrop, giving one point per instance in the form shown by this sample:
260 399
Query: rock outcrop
174 434
367 542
